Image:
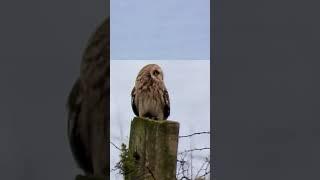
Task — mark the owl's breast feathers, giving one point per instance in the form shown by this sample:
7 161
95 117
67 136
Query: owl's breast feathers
150 100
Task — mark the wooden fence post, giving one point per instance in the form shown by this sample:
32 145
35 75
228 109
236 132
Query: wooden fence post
153 145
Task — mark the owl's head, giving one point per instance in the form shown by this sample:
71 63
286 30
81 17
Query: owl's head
152 71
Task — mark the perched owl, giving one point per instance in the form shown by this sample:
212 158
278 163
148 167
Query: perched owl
149 97
88 108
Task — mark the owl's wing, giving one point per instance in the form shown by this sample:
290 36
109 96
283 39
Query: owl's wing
133 105
166 110
77 146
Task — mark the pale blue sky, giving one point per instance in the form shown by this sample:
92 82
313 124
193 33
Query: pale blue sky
165 29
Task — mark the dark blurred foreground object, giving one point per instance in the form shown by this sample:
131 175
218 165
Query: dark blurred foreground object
79 177
88 108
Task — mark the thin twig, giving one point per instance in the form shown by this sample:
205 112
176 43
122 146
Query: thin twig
115 146
204 163
196 149
198 133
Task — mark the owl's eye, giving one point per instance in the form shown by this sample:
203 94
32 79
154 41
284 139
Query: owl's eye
156 73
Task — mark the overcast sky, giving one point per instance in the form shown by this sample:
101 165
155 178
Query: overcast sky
166 29
188 83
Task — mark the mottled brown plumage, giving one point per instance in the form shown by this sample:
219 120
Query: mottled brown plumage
88 107
149 97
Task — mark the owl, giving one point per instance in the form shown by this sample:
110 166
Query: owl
88 110
149 96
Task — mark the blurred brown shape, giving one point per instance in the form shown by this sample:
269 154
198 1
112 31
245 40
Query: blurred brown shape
88 106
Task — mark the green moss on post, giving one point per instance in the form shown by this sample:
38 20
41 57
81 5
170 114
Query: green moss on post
153 144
